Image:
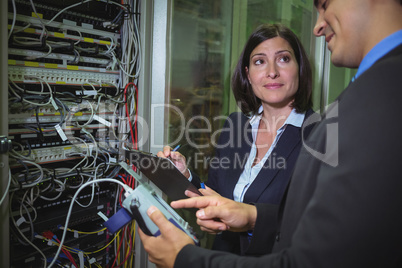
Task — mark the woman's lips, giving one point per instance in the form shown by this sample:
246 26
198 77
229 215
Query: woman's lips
273 85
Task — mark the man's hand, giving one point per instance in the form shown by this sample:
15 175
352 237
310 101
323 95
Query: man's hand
219 214
163 249
177 158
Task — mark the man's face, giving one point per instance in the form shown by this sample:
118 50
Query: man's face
343 23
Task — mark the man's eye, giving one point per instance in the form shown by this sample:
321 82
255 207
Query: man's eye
324 5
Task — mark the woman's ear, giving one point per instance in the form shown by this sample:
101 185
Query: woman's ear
248 75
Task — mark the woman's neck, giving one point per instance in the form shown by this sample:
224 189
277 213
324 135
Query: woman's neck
274 118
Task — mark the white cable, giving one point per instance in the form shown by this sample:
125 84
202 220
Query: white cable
32 92
39 179
90 118
94 146
40 20
43 55
30 41
60 190
93 189
20 29
41 81
7 188
25 238
27 101
80 34
14 18
29 202
126 188
76 186
13 153
86 155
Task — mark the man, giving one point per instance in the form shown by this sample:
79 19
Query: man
343 207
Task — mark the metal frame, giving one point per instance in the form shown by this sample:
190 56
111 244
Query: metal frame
4 211
153 87
159 93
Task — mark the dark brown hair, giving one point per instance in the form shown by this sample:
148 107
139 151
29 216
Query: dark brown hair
241 86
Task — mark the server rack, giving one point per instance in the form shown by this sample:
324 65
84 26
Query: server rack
72 69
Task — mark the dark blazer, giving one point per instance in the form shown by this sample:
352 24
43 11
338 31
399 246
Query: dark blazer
232 151
343 208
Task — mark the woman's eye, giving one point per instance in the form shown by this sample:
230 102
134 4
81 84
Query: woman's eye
258 62
284 59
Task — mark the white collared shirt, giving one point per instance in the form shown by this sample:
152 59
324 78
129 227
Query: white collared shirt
250 172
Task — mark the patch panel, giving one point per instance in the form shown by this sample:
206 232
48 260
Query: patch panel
76 19
21 131
51 138
65 59
56 154
50 74
31 140
43 222
30 118
63 26
60 66
66 36
47 114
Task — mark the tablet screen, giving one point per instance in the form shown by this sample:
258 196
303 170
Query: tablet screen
163 173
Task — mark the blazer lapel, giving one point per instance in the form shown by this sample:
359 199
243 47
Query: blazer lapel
242 153
287 143
275 162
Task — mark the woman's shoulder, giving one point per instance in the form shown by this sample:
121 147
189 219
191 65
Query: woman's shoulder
309 112
310 121
238 116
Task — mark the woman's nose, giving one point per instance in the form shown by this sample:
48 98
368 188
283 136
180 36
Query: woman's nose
272 71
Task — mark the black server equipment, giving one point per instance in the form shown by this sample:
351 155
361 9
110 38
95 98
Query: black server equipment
73 68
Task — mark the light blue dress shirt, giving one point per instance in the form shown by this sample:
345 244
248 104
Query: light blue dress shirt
250 172
378 51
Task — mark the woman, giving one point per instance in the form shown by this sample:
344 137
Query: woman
257 149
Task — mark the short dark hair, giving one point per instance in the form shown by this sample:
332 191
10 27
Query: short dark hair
242 90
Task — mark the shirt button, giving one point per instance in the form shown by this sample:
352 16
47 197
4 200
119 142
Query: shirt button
278 236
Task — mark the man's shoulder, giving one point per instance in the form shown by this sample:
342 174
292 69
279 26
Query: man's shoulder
389 60
383 76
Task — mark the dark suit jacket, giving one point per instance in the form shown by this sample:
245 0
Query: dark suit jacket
233 149
350 214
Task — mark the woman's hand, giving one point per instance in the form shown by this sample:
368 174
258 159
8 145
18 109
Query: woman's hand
177 159
205 192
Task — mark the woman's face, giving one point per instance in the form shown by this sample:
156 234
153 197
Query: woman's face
274 73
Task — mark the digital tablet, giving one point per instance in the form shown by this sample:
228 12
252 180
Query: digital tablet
162 172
